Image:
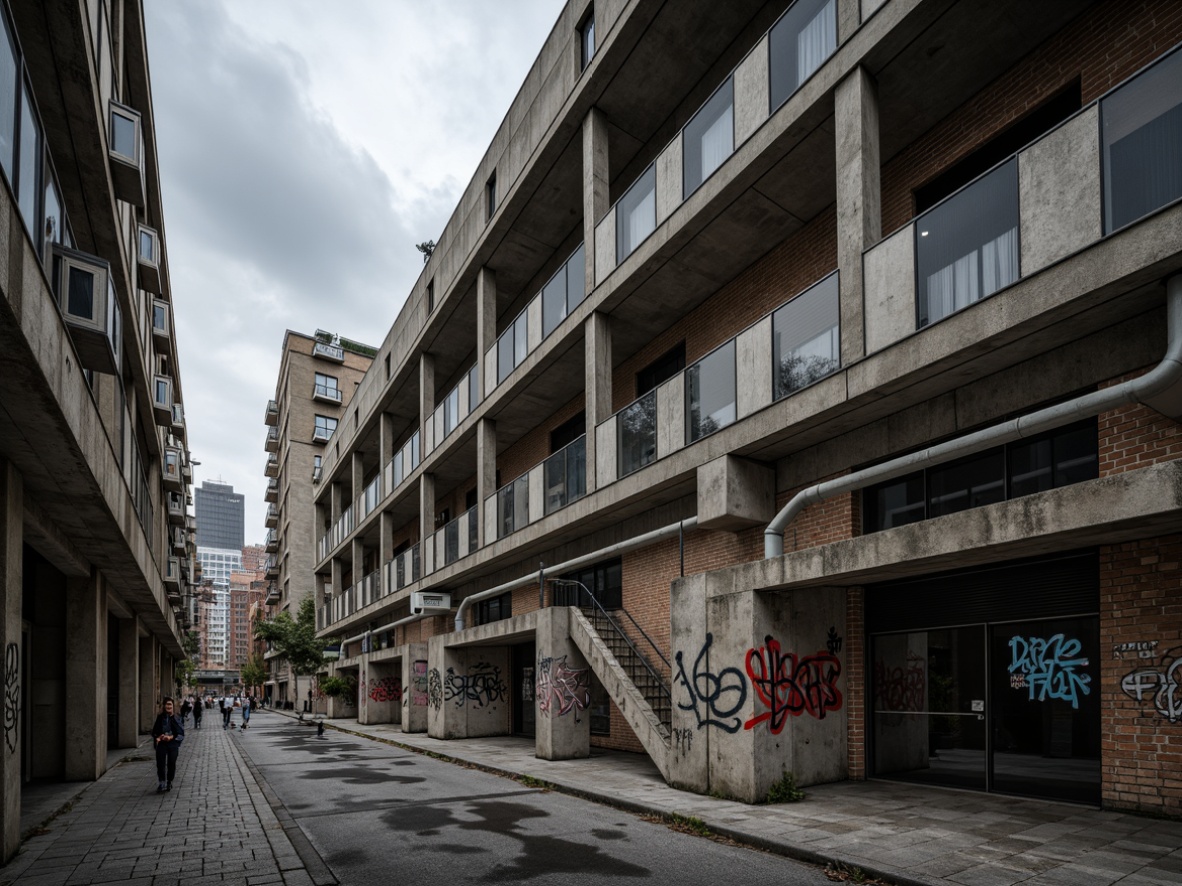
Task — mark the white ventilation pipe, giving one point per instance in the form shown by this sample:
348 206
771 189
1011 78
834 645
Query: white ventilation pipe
1139 390
631 544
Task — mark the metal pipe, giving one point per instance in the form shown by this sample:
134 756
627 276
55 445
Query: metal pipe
1163 376
639 541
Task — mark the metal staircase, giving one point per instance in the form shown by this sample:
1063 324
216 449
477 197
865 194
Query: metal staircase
646 678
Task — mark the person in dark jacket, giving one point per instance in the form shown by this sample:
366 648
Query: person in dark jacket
197 712
169 732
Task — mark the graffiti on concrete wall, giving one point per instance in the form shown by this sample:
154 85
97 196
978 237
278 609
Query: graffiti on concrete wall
12 696
903 688
790 685
435 689
1049 667
1160 685
482 685
418 683
714 697
683 740
386 689
561 688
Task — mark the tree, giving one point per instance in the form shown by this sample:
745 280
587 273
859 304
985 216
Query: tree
254 672
183 672
295 639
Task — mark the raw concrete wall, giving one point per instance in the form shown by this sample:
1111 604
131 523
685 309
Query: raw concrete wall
889 289
563 690
414 687
467 690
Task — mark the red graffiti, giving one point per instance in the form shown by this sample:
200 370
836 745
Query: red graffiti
788 685
386 689
901 689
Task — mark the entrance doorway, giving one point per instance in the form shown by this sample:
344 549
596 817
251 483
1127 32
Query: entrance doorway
525 709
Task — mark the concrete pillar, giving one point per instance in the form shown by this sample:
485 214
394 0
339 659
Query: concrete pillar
467 690
129 669
595 185
486 473
486 320
386 522
597 338
849 16
426 395
11 591
86 678
563 696
380 691
415 685
859 199
149 699
426 513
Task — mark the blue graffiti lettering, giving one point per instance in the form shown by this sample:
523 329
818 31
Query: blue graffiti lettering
1049 668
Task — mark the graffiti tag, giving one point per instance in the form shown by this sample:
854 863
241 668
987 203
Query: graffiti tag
386 689
1143 648
435 689
418 682
833 643
683 740
1049 668
561 688
482 685
901 688
787 684
1161 685
714 698
12 696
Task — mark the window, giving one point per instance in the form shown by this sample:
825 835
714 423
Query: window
798 44
490 192
564 292
29 167
636 429
966 248
326 387
125 133
569 431
497 608
1141 126
473 388
662 369
709 138
430 303
9 70
636 214
604 580
324 428
806 339
587 39
147 239
162 392
710 393
451 411
1058 458
512 346
160 317
387 367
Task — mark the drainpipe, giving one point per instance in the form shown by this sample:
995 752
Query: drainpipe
639 541
394 624
1143 389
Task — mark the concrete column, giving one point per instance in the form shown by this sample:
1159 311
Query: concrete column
563 682
426 394
486 319
149 699
486 473
595 186
859 199
357 466
129 669
467 690
338 580
380 692
386 522
414 688
426 511
86 678
338 501
597 337
11 590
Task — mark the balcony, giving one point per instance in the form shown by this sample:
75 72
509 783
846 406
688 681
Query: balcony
172 474
272 493
162 400
325 351
274 595
454 408
178 538
272 443
272 519
340 530
272 416
178 420
403 464
403 570
565 475
322 433
459 538
271 469
172 575
271 542
507 509
326 394
176 508
271 568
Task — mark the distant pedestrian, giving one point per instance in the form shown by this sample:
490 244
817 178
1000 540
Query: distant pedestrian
227 704
169 732
186 707
197 714
246 707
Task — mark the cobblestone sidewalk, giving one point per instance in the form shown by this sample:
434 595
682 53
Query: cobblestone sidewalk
215 826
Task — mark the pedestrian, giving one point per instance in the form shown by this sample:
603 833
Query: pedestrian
246 712
169 732
227 704
197 714
186 706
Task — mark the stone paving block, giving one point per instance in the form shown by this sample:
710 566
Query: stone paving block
990 875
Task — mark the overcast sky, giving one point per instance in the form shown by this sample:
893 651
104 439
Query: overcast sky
305 147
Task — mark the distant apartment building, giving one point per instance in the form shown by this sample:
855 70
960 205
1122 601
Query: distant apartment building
95 540
317 377
795 388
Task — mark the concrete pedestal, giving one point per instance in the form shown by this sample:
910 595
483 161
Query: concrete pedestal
563 693
414 688
467 690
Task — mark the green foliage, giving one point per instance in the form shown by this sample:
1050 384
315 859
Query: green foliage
785 790
295 639
334 686
689 824
254 672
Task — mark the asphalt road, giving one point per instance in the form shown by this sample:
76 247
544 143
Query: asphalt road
379 814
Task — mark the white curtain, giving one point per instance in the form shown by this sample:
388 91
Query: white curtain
953 287
642 220
999 262
815 42
718 142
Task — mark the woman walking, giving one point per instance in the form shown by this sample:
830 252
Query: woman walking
169 732
245 711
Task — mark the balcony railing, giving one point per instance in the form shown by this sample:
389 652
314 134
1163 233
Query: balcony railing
460 537
403 569
328 352
272 414
330 394
272 444
370 589
339 532
637 429
565 475
271 468
455 407
321 433
369 499
403 464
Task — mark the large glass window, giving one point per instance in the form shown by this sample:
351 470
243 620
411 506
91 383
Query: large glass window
806 339
967 247
1142 143
324 427
326 386
798 44
513 346
473 381
8 87
637 434
709 138
565 475
636 214
587 39
513 506
563 293
605 580
29 175
451 411
710 394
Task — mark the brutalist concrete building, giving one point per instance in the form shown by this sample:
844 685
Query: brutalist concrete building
96 543
795 388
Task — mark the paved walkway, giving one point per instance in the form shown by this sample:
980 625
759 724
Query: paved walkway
215 826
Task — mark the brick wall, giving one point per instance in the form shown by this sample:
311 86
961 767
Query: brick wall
834 519
535 446
1141 631
801 260
854 662
1101 48
1135 436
